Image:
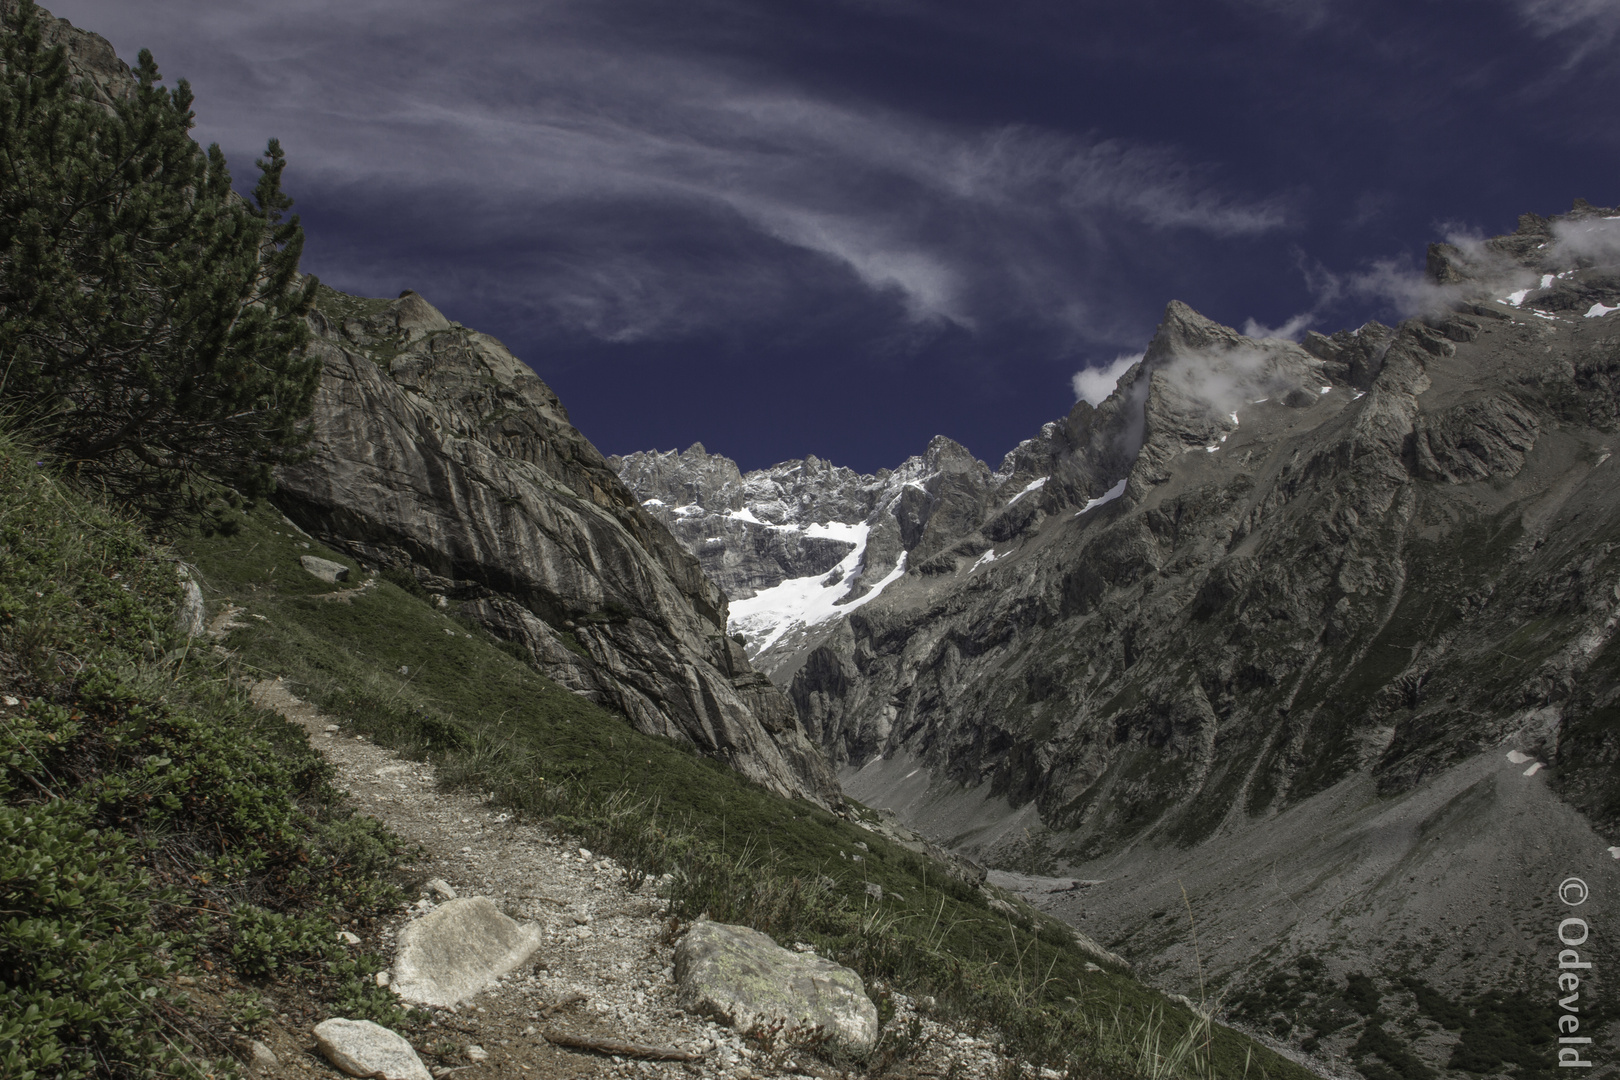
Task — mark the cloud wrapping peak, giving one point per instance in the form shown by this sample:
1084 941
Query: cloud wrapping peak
1488 271
1094 385
1292 328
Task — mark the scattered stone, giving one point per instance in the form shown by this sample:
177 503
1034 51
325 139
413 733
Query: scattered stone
442 888
325 569
361 1048
330 728
476 1053
189 616
382 978
347 938
260 1057
743 978
874 890
457 949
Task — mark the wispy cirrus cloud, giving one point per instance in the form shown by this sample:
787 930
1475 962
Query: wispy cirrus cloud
631 189
1589 26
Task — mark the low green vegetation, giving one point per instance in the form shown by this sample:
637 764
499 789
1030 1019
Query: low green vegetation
382 658
153 824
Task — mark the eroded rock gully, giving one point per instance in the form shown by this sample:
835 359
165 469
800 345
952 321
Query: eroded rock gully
603 969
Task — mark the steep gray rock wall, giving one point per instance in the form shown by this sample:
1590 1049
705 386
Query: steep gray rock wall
1274 602
439 453
1342 583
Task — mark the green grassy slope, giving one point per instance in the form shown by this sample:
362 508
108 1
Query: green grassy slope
153 824
390 664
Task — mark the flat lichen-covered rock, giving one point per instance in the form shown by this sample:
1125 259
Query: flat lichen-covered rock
362 1048
457 949
439 453
745 979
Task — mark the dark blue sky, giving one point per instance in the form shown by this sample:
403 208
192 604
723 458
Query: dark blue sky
843 227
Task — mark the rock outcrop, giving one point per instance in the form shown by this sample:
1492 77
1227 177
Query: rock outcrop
457 949
440 455
362 1048
743 978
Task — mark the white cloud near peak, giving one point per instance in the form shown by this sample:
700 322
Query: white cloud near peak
1093 385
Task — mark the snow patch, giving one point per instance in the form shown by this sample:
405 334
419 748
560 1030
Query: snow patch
1106 497
1516 298
1359 395
1614 852
690 510
1532 770
652 502
808 601
1597 311
1033 485
1517 758
984 560
1327 389
746 514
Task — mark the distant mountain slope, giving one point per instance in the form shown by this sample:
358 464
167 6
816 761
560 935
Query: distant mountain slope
1269 622
801 545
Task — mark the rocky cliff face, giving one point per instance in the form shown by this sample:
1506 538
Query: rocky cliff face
440 454
1270 621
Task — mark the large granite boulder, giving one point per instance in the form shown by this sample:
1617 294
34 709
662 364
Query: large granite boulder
457 949
743 978
361 1048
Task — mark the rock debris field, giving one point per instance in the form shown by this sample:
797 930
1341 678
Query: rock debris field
590 989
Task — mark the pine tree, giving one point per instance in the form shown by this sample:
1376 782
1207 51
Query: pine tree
151 320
